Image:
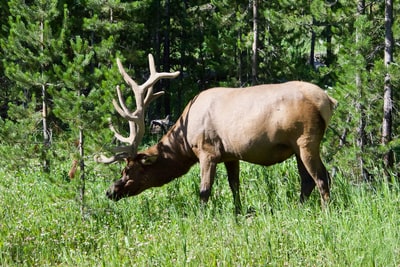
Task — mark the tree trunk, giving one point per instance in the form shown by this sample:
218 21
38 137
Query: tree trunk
312 45
343 137
154 112
329 46
388 95
239 56
255 44
46 132
361 136
82 170
162 105
166 63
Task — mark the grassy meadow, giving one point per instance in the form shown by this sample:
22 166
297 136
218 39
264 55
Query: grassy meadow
41 223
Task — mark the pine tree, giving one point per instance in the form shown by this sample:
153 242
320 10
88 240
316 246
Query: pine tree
115 29
361 138
30 53
5 96
359 70
73 103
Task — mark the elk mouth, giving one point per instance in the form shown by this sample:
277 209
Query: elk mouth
115 194
116 190
111 194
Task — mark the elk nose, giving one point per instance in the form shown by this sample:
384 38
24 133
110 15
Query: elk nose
108 193
111 194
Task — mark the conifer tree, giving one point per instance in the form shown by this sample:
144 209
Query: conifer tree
361 138
112 29
5 97
73 103
30 53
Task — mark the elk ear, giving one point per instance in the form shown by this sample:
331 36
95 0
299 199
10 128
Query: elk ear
146 159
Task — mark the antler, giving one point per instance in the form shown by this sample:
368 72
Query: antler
143 96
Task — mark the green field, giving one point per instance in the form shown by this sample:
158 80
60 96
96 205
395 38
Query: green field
41 223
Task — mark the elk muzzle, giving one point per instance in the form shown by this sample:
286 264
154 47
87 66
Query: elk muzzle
115 192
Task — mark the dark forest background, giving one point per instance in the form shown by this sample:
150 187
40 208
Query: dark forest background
58 69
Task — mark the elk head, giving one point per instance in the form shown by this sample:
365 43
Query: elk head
144 95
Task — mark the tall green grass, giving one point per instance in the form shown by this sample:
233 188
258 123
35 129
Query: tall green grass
41 223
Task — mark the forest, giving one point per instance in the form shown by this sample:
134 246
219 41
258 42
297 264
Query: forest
58 68
58 80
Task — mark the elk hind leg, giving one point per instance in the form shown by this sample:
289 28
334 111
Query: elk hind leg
316 169
307 182
232 168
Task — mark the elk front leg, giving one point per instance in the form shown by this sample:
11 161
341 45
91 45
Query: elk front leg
232 168
207 172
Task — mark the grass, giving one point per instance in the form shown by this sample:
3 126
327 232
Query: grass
41 223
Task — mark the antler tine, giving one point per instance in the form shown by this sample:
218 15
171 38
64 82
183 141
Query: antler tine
155 76
152 66
121 108
112 159
125 75
143 96
122 151
129 139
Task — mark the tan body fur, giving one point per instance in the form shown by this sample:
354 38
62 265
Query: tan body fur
264 124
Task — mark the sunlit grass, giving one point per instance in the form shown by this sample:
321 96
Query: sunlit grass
42 225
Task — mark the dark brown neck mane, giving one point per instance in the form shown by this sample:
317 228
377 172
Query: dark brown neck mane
174 159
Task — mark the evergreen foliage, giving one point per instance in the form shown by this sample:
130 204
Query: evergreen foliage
210 42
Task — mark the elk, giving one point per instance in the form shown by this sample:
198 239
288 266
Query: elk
277 121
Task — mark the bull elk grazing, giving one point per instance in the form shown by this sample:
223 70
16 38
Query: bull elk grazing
277 121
